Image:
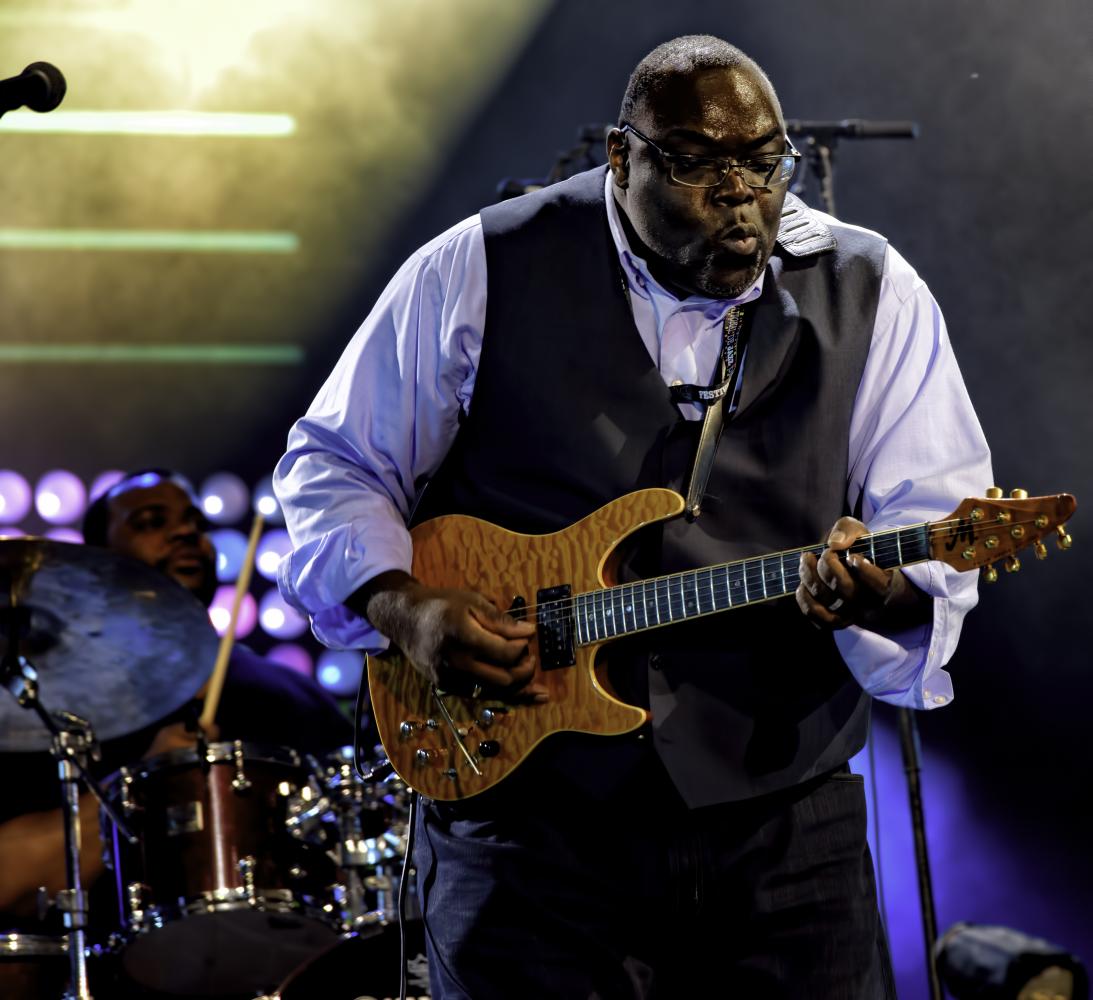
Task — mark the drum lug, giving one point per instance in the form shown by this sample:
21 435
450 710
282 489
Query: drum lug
246 866
239 782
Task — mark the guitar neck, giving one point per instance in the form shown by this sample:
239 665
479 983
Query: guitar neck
634 607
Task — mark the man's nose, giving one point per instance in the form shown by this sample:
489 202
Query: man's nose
733 189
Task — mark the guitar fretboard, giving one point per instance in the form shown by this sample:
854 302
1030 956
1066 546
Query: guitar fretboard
634 607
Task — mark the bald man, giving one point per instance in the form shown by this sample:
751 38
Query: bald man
720 850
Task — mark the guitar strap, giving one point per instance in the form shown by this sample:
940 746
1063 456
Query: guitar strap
726 380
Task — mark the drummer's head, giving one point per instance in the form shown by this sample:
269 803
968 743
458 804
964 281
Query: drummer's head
153 515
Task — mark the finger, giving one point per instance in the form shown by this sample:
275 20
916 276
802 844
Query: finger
816 612
486 645
834 575
499 622
844 532
869 576
495 680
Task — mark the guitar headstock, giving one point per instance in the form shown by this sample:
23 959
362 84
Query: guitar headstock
983 530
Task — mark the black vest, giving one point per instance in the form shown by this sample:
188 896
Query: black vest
569 412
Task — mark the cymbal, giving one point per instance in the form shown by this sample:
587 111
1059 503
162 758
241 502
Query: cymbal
113 640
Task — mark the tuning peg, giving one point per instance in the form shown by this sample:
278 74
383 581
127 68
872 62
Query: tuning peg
1064 540
1040 549
1013 564
994 493
1019 494
990 574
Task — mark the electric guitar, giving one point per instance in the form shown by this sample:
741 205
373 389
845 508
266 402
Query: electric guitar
451 746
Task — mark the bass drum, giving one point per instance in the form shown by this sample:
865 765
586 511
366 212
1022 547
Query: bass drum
231 884
363 968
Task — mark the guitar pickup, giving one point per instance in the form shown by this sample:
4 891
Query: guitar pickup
555 627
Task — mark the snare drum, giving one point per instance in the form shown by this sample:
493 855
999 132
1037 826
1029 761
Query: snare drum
227 889
33 966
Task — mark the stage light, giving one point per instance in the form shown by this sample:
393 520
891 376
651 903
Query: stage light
10 531
231 550
104 481
272 546
293 657
998 963
220 612
65 535
265 501
278 618
15 497
60 497
339 670
224 498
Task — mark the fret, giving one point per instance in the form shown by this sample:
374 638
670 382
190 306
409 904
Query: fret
873 549
656 600
771 578
737 585
631 621
696 606
744 575
899 548
578 617
752 568
601 620
782 569
618 618
644 607
713 596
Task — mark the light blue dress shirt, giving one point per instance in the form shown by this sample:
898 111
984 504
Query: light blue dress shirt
387 415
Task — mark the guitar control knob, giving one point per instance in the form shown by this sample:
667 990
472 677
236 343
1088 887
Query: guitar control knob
994 493
1019 494
489 748
990 574
1064 540
408 728
487 717
423 756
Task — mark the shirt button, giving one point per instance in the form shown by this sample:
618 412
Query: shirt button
925 694
640 279
939 699
677 381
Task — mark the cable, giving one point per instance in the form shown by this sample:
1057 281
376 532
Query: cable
404 881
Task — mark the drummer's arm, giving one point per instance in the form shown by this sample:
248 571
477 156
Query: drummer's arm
32 853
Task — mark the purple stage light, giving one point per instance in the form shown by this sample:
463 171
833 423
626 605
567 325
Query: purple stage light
15 497
272 546
265 502
278 618
65 535
339 670
224 498
231 550
292 656
220 612
60 497
11 531
104 481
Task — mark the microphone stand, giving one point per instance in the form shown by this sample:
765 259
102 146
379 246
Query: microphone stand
818 139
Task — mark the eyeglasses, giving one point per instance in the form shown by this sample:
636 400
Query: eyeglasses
711 171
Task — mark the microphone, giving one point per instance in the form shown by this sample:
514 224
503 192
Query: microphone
854 128
41 87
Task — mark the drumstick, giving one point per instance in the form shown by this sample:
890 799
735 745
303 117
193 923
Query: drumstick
216 682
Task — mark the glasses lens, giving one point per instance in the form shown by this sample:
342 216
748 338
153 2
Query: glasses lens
698 173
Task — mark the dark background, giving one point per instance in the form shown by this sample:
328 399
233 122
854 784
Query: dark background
990 204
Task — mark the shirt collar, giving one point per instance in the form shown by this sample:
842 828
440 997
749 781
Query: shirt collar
640 279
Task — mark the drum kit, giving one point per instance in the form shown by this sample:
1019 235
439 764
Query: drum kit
238 869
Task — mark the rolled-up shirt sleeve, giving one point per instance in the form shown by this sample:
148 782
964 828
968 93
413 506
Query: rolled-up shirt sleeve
380 425
916 449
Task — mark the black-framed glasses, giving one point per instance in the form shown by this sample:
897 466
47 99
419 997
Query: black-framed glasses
710 171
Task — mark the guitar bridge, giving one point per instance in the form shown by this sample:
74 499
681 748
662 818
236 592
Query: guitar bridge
555 627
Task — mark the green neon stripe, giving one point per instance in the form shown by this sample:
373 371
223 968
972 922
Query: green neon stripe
190 241
192 123
187 354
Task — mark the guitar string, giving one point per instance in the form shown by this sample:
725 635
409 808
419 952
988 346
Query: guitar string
880 539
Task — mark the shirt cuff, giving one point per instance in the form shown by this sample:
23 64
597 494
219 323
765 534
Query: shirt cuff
906 668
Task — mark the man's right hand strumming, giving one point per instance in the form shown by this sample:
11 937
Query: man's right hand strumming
455 638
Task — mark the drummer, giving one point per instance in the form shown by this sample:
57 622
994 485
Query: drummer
152 516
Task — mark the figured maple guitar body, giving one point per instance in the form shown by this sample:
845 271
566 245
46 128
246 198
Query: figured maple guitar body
465 552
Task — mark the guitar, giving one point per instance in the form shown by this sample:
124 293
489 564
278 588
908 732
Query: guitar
451 746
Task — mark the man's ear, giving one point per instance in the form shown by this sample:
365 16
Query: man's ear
618 157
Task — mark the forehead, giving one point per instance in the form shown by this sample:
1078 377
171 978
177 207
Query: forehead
730 105
163 494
